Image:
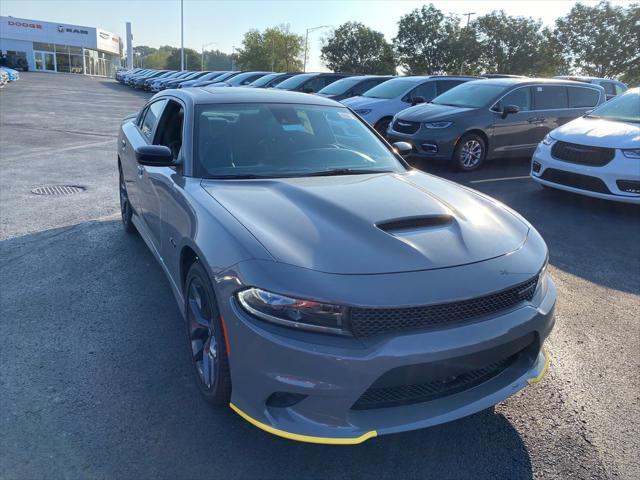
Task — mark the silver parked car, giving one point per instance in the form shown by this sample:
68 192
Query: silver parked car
330 292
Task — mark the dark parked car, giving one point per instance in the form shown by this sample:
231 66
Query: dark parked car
611 87
221 78
241 80
491 118
204 78
330 292
271 80
310 82
352 86
176 82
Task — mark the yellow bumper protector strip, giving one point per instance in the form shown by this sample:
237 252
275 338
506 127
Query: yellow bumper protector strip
304 438
537 378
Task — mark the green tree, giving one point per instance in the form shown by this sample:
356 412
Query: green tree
276 49
427 42
353 47
217 60
602 40
157 59
514 45
192 59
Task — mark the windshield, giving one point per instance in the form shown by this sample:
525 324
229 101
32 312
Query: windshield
341 86
391 88
211 75
262 81
295 81
239 79
623 108
474 94
285 140
224 76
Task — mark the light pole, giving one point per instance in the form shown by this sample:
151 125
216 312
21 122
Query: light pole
468 14
233 58
205 45
181 34
306 43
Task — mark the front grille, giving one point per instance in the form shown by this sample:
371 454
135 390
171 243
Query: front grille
402 126
367 322
582 154
575 180
427 391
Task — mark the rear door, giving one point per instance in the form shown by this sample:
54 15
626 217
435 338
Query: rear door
551 103
514 134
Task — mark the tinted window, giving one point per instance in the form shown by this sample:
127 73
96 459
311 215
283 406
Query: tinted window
550 97
620 89
427 91
315 84
368 84
473 94
609 88
295 81
391 89
277 140
262 81
521 97
340 86
151 118
444 85
583 97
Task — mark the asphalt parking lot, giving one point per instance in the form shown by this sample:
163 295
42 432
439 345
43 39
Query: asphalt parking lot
95 379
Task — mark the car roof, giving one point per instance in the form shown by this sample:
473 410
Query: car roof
507 82
206 96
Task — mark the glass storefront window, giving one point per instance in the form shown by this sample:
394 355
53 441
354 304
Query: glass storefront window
76 64
62 62
45 47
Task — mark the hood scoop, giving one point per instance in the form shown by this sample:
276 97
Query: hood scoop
409 224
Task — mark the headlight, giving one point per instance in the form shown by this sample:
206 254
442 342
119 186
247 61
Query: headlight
438 124
631 152
294 312
543 278
547 140
363 111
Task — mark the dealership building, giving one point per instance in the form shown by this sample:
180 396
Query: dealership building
60 47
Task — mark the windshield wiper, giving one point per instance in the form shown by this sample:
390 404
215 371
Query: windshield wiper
343 171
238 177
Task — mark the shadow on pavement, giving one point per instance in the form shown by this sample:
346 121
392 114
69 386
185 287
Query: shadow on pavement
116 397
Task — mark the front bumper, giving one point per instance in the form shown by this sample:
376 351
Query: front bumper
620 168
333 373
427 142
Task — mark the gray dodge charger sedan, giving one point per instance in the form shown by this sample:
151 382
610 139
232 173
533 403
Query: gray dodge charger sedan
330 292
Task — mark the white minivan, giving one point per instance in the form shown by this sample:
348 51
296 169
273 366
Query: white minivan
596 155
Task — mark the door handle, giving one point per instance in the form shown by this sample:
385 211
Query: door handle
140 171
535 120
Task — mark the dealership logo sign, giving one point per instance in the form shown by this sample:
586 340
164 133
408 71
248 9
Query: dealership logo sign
25 24
62 29
104 35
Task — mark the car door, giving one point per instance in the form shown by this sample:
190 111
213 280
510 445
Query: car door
513 135
144 189
552 106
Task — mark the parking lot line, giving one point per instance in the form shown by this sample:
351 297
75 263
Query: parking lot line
486 180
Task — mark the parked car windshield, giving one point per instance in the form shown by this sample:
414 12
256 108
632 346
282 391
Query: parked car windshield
474 94
390 89
224 76
239 79
285 140
262 81
295 81
623 108
341 86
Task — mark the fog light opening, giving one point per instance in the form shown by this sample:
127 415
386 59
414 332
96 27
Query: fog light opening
535 167
284 399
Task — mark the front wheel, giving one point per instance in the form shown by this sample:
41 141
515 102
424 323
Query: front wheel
125 206
470 152
206 337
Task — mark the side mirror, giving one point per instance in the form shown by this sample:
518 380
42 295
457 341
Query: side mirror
154 156
417 100
403 148
308 90
507 109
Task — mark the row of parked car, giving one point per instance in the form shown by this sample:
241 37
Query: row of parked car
8 75
468 120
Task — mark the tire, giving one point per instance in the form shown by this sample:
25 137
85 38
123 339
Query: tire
205 334
382 125
470 152
126 211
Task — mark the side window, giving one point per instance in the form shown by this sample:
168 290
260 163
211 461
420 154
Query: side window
427 91
609 88
583 97
150 118
444 85
521 97
169 131
550 97
315 84
328 80
620 89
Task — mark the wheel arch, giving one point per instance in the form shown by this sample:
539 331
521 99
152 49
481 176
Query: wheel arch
481 133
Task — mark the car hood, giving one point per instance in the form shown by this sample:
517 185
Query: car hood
430 112
599 132
363 102
368 224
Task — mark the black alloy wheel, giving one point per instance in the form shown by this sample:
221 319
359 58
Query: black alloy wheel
206 337
125 206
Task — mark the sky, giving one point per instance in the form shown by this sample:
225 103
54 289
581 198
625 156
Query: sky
224 22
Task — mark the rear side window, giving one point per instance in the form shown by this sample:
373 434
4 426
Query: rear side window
620 89
583 97
366 85
315 84
427 91
444 85
521 97
609 88
550 97
150 118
